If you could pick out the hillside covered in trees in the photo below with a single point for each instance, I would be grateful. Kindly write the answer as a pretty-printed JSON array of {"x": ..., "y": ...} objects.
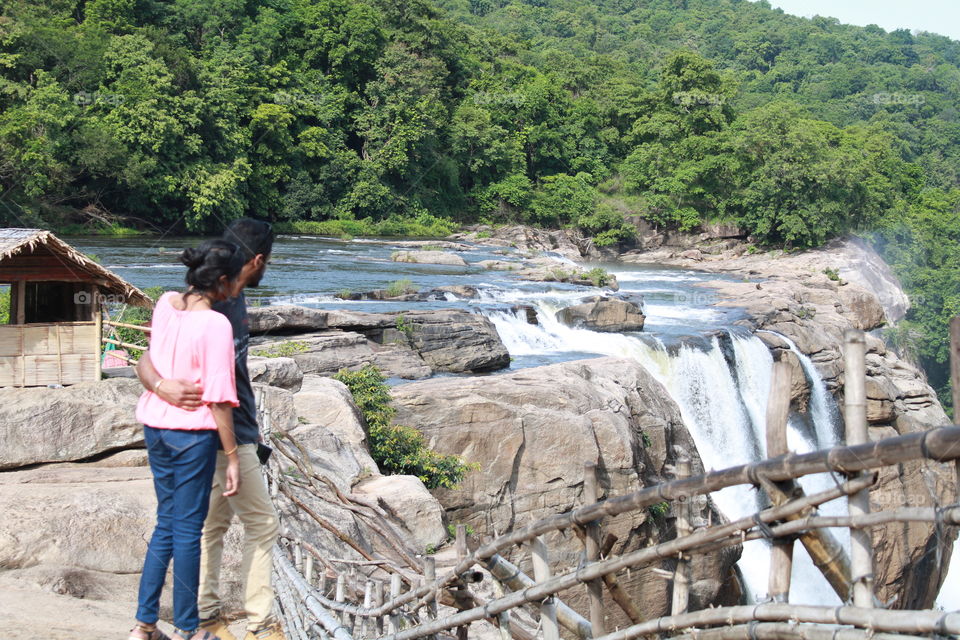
[{"x": 417, "y": 115}]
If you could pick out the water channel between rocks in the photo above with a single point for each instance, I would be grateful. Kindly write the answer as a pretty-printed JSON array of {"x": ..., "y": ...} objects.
[{"x": 716, "y": 371}]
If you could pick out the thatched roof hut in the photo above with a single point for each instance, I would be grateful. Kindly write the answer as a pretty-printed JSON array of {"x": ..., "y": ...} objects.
[{"x": 56, "y": 296}]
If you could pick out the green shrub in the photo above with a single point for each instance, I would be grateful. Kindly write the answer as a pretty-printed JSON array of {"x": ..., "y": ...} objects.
[
  {"x": 832, "y": 274},
  {"x": 4, "y": 305},
  {"x": 659, "y": 510},
  {"x": 398, "y": 449},
  {"x": 135, "y": 315},
  {"x": 283, "y": 350},
  {"x": 400, "y": 288},
  {"x": 598, "y": 276},
  {"x": 423, "y": 224}
]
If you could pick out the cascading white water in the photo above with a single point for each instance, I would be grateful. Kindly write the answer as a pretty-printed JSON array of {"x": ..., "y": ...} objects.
[{"x": 722, "y": 399}]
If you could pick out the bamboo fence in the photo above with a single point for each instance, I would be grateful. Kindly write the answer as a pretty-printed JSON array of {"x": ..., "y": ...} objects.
[{"x": 351, "y": 600}]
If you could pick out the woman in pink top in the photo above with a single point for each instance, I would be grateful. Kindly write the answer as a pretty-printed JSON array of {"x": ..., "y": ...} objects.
[{"x": 188, "y": 341}]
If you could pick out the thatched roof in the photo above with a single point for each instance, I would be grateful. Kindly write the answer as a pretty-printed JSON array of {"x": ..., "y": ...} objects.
[{"x": 20, "y": 242}]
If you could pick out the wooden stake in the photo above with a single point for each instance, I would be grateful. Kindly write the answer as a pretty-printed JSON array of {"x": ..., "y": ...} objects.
[
  {"x": 855, "y": 418},
  {"x": 430, "y": 576},
  {"x": 681, "y": 574},
  {"x": 377, "y": 601},
  {"x": 394, "y": 621},
  {"x": 367, "y": 603},
  {"x": 778, "y": 409},
  {"x": 592, "y": 546},
  {"x": 541, "y": 573}
]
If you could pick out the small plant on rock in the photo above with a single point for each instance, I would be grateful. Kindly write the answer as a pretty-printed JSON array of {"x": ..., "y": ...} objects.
[
  {"x": 398, "y": 449},
  {"x": 598, "y": 276},
  {"x": 399, "y": 288}
]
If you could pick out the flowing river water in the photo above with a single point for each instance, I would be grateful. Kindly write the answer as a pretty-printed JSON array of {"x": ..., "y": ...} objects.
[{"x": 717, "y": 372}]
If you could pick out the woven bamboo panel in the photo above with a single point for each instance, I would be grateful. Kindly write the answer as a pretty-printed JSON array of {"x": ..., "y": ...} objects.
[{"x": 42, "y": 354}]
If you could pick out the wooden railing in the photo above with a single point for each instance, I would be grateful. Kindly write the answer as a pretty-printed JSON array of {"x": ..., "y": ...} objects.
[
  {"x": 124, "y": 345},
  {"x": 345, "y": 604}
]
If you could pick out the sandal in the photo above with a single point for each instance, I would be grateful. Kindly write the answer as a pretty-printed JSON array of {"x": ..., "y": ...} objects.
[
  {"x": 199, "y": 634},
  {"x": 150, "y": 632}
]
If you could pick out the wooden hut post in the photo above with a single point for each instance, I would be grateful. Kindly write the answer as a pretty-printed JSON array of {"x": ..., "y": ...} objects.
[
  {"x": 778, "y": 408},
  {"x": 541, "y": 573},
  {"x": 855, "y": 419},
  {"x": 19, "y": 295},
  {"x": 592, "y": 545},
  {"x": 681, "y": 574},
  {"x": 340, "y": 595}
]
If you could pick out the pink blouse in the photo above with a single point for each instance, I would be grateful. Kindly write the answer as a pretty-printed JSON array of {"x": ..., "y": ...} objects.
[{"x": 189, "y": 345}]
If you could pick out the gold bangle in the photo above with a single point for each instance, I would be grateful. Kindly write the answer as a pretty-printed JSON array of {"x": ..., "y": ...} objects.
[
  {"x": 231, "y": 452},
  {"x": 156, "y": 385}
]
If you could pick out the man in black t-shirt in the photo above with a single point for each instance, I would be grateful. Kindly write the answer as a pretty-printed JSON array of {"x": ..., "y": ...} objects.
[{"x": 252, "y": 504}]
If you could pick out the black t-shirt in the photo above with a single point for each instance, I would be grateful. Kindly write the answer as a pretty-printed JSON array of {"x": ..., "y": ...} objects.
[{"x": 245, "y": 416}]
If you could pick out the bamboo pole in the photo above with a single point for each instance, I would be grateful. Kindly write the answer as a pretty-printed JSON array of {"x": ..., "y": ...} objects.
[
  {"x": 504, "y": 617},
  {"x": 681, "y": 574},
  {"x": 125, "y": 345},
  {"x": 541, "y": 573},
  {"x": 306, "y": 595},
  {"x": 378, "y": 600},
  {"x": 340, "y": 596},
  {"x": 127, "y": 326},
  {"x": 788, "y": 631},
  {"x": 855, "y": 419},
  {"x": 394, "y": 620},
  {"x": 873, "y": 619},
  {"x": 621, "y": 597},
  {"x": 592, "y": 549},
  {"x": 462, "y": 552},
  {"x": 541, "y": 590},
  {"x": 515, "y": 580},
  {"x": 778, "y": 409},
  {"x": 367, "y": 601},
  {"x": 430, "y": 576},
  {"x": 939, "y": 444}
]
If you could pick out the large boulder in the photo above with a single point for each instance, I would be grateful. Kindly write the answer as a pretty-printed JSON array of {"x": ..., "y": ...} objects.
[
  {"x": 409, "y": 501},
  {"x": 604, "y": 314},
  {"x": 429, "y": 257},
  {"x": 72, "y": 423},
  {"x": 531, "y": 431},
  {"x": 275, "y": 371}
]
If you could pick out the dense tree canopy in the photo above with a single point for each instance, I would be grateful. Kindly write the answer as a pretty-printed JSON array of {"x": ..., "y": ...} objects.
[{"x": 186, "y": 113}]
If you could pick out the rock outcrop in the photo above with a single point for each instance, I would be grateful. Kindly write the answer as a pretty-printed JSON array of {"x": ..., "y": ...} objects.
[
  {"x": 429, "y": 257},
  {"x": 73, "y": 423},
  {"x": 412, "y": 344},
  {"x": 73, "y": 535},
  {"x": 604, "y": 314},
  {"x": 532, "y": 430}
]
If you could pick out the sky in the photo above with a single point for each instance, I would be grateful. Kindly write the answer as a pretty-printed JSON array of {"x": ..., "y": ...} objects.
[{"x": 937, "y": 16}]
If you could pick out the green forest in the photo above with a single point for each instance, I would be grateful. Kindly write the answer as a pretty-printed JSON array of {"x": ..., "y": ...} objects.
[{"x": 376, "y": 116}]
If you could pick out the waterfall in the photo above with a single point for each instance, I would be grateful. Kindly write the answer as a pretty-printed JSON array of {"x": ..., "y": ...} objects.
[{"x": 721, "y": 385}]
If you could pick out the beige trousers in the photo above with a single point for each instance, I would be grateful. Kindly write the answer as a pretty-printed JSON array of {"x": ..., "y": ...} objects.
[{"x": 255, "y": 510}]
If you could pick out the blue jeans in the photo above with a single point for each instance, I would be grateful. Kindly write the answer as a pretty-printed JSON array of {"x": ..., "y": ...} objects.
[{"x": 183, "y": 463}]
